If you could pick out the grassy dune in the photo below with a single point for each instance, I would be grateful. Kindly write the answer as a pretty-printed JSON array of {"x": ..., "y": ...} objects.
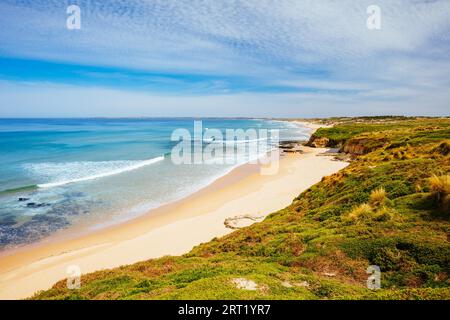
[{"x": 390, "y": 207}]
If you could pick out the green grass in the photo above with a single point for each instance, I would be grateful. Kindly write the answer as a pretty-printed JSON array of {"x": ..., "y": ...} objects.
[{"x": 312, "y": 249}]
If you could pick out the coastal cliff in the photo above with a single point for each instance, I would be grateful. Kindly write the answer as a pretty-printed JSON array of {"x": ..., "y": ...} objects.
[
  {"x": 353, "y": 146},
  {"x": 319, "y": 142}
]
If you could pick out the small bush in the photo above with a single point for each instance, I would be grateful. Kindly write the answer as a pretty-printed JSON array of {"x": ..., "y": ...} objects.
[
  {"x": 385, "y": 214},
  {"x": 440, "y": 190},
  {"x": 362, "y": 212},
  {"x": 443, "y": 149},
  {"x": 418, "y": 188},
  {"x": 378, "y": 198}
]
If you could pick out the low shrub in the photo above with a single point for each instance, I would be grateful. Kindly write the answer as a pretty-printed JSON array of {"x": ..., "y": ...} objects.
[
  {"x": 440, "y": 191},
  {"x": 377, "y": 198},
  {"x": 362, "y": 212}
]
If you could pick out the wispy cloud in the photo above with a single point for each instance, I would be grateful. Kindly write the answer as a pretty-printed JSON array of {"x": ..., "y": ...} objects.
[{"x": 310, "y": 52}]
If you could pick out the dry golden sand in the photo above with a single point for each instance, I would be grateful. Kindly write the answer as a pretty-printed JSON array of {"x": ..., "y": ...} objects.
[
  {"x": 311, "y": 125},
  {"x": 172, "y": 229}
]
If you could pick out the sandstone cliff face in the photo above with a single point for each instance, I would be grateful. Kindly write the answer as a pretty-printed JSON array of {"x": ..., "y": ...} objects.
[
  {"x": 317, "y": 142},
  {"x": 355, "y": 146},
  {"x": 362, "y": 146}
]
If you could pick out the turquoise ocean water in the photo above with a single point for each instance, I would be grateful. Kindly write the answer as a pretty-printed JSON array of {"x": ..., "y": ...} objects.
[{"x": 56, "y": 173}]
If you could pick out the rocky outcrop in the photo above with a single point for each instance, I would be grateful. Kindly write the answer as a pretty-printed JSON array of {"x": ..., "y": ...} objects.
[
  {"x": 245, "y": 284},
  {"x": 291, "y": 146},
  {"x": 318, "y": 142},
  {"x": 360, "y": 146},
  {"x": 34, "y": 205},
  {"x": 242, "y": 221},
  {"x": 355, "y": 148}
]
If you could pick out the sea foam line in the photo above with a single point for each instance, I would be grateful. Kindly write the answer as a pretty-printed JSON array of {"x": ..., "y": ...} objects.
[{"x": 103, "y": 175}]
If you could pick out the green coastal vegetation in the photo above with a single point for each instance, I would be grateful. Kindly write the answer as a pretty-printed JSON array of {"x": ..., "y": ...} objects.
[{"x": 390, "y": 208}]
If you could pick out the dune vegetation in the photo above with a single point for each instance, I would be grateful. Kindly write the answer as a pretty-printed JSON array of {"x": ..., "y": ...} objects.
[{"x": 390, "y": 208}]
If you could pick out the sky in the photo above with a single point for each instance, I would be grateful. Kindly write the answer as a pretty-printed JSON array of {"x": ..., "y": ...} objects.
[{"x": 252, "y": 58}]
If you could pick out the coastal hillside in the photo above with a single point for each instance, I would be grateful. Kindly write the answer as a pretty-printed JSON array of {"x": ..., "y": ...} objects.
[{"x": 390, "y": 208}]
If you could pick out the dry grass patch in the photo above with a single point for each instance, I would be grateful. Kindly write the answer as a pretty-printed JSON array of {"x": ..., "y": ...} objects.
[
  {"x": 440, "y": 190},
  {"x": 362, "y": 212},
  {"x": 378, "y": 198}
]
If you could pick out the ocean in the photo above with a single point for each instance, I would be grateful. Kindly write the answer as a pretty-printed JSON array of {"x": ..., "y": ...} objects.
[{"x": 58, "y": 173}]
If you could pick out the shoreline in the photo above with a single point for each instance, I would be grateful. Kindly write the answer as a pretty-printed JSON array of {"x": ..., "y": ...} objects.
[
  {"x": 81, "y": 230},
  {"x": 243, "y": 191},
  {"x": 241, "y": 197},
  {"x": 85, "y": 228}
]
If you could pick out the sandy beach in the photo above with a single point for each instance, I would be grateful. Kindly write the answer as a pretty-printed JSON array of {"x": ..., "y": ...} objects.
[
  {"x": 311, "y": 125},
  {"x": 242, "y": 197}
]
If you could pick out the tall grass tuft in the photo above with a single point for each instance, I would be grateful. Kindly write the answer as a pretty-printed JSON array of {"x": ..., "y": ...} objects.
[
  {"x": 378, "y": 198},
  {"x": 440, "y": 190},
  {"x": 362, "y": 212}
]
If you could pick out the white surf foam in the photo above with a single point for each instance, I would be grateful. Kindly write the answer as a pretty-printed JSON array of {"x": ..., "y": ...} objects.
[{"x": 59, "y": 174}]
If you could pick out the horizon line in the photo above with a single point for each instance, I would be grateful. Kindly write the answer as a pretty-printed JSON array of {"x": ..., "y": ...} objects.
[{"x": 219, "y": 117}]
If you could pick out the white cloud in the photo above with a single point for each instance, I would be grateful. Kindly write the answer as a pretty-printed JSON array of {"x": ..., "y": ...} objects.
[
  {"x": 321, "y": 44},
  {"x": 197, "y": 35}
]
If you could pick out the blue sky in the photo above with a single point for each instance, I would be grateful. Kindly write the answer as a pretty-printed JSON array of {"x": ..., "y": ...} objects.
[{"x": 224, "y": 58}]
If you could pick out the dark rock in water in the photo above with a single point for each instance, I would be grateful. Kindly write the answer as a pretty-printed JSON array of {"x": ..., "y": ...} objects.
[
  {"x": 8, "y": 220},
  {"x": 68, "y": 208},
  {"x": 23, "y": 199},
  {"x": 74, "y": 194},
  {"x": 38, "y": 227},
  {"x": 34, "y": 205},
  {"x": 56, "y": 217}
]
